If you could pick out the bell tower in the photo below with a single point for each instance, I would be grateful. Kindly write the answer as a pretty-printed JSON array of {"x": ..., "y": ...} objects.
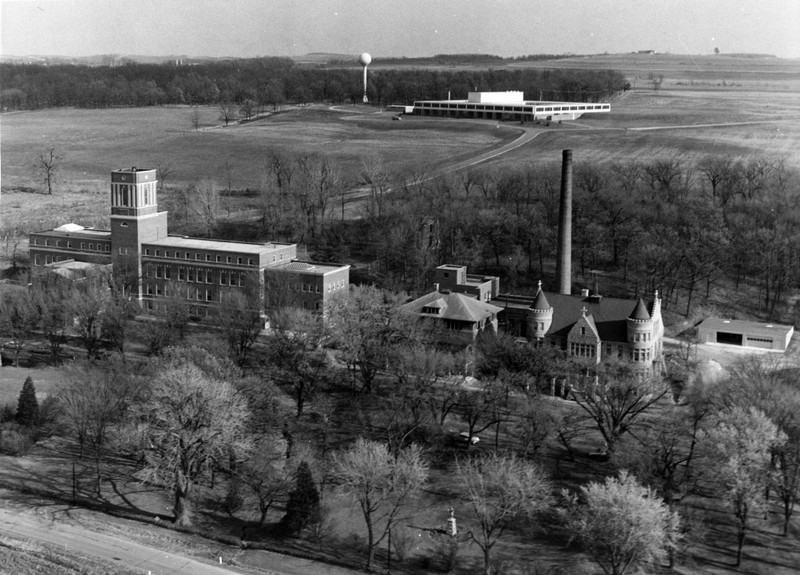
[{"x": 135, "y": 218}]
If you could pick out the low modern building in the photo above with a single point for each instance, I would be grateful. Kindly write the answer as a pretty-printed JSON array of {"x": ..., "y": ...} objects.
[
  {"x": 745, "y": 333},
  {"x": 507, "y": 106},
  {"x": 200, "y": 270}
]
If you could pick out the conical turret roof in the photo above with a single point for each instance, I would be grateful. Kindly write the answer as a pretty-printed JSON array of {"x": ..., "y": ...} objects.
[
  {"x": 640, "y": 311},
  {"x": 541, "y": 302}
]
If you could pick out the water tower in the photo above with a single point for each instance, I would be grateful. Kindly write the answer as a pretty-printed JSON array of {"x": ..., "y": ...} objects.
[{"x": 364, "y": 59}]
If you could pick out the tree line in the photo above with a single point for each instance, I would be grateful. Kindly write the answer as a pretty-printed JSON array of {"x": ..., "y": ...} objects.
[
  {"x": 685, "y": 227},
  {"x": 273, "y": 81}
]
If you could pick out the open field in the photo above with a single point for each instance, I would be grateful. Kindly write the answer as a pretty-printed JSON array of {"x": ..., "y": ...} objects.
[
  {"x": 689, "y": 72},
  {"x": 93, "y": 142}
]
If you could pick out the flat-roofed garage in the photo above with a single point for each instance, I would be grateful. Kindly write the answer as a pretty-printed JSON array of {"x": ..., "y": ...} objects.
[{"x": 745, "y": 333}]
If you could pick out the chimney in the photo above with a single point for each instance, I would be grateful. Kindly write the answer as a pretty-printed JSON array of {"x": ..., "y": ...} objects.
[{"x": 564, "y": 261}]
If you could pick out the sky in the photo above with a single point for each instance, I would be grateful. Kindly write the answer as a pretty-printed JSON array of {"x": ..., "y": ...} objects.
[{"x": 250, "y": 28}]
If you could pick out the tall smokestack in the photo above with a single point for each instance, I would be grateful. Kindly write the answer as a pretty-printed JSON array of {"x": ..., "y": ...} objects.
[{"x": 564, "y": 263}]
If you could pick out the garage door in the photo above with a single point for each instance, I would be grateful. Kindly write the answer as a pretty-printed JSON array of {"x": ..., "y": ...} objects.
[
  {"x": 759, "y": 342},
  {"x": 729, "y": 338}
]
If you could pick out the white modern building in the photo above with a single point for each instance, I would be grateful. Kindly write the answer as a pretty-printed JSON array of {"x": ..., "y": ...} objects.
[{"x": 507, "y": 106}]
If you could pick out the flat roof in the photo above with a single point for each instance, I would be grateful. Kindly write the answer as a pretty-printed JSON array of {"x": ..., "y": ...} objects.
[
  {"x": 215, "y": 245},
  {"x": 82, "y": 233},
  {"x": 312, "y": 268},
  {"x": 745, "y": 326}
]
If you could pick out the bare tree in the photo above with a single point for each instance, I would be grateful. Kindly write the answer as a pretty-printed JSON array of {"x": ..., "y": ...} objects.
[
  {"x": 88, "y": 303},
  {"x": 617, "y": 399},
  {"x": 501, "y": 491},
  {"x": 227, "y": 113},
  {"x": 93, "y": 399},
  {"x": 47, "y": 164},
  {"x": 163, "y": 173},
  {"x": 368, "y": 327},
  {"x": 622, "y": 524},
  {"x": 204, "y": 201},
  {"x": 296, "y": 353},
  {"x": 193, "y": 421},
  {"x": 241, "y": 321},
  {"x": 381, "y": 483},
  {"x": 194, "y": 119},
  {"x": 739, "y": 445},
  {"x": 19, "y": 317}
]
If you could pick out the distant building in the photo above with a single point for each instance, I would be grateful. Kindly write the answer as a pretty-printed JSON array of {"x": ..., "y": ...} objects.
[
  {"x": 741, "y": 333},
  {"x": 201, "y": 270},
  {"x": 507, "y": 106}
]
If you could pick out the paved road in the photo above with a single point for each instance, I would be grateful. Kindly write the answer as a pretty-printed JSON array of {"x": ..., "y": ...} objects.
[{"x": 109, "y": 548}]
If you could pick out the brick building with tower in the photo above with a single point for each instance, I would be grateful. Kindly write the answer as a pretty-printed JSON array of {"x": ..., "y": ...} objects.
[{"x": 200, "y": 270}]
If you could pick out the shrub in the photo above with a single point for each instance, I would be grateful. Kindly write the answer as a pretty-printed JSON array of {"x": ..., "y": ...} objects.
[
  {"x": 233, "y": 498},
  {"x": 8, "y": 413},
  {"x": 402, "y": 542},
  {"x": 445, "y": 553},
  {"x": 15, "y": 439}
]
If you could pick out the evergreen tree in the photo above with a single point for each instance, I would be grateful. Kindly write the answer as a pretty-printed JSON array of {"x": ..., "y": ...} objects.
[
  {"x": 27, "y": 406},
  {"x": 302, "y": 509}
]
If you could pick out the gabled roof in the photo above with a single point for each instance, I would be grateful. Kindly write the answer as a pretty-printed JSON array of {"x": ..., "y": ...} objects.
[
  {"x": 454, "y": 306},
  {"x": 610, "y": 314}
]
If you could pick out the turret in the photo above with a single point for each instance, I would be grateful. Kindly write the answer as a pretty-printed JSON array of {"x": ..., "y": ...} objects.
[
  {"x": 540, "y": 316},
  {"x": 640, "y": 334}
]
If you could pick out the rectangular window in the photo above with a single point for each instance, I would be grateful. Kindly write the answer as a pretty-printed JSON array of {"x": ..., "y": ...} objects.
[
  {"x": 158, "y": 253},
  {"x": 107, "y": 248},
  {"x": 222, "y": 278},
  {"x": 47, "y": 242},
  {"x": 181, "y": 274},
  {"x": 228, "y": 259},
  {"x": 208, "y": 277},
  {"x": 166, "y": 253},
  {"x": 191, "y": 274},
  {"x": 219, "y": 258},
  {"x": 208, "y": 257},
  {"x": 186, "y": 255},
  {"x": 197, "y": 256},
  {"x": 36, "y": 260},
  {"x": 249, "y": 261},
  {"x": 167, "y": 272},
  {"x": 83, "y": 246},
  {"x": 158, "y": 271},
  {"x": 239, "y": 261}
]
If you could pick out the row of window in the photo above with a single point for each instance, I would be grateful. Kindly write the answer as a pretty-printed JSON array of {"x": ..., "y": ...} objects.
[
  {"x": 199, "y": 257},
  {"x": 68, "y": 244},
  {"x": 582, "y": 349},
  {"x": 498, "y": 108},
  {"x": 641, "y": 336},
  {"x": 589, "y": 350},
  {"x": 194, "y": 275},
  {"x": 310, "y": 288},
  {"x": 190, "y": 294}
]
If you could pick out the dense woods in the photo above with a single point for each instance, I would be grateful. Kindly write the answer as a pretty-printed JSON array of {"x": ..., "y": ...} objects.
[{"x": 274, "y": 81}]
